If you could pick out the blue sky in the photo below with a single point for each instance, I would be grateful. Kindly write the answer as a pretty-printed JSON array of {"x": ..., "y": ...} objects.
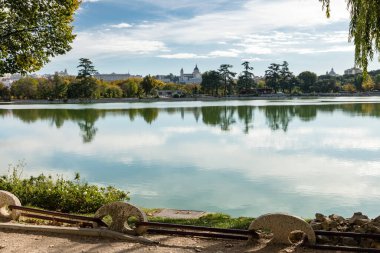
[{"x": 162, "y": 36}]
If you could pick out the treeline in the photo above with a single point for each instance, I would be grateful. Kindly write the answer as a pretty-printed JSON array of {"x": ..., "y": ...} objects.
[
  {"x": 85, "y": 86},
  {"x": 279, "y": 78}
]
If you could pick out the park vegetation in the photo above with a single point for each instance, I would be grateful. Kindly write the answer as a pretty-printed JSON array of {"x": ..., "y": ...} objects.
[
  {"x": 59, "y": 194},
  {"x": 278, "y": 78}
]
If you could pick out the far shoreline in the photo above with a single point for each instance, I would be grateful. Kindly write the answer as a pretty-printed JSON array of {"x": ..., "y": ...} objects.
[{"x": 202, "y": 98}]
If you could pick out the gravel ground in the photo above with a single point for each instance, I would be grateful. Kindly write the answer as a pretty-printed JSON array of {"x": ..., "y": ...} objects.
[{"x": 54, "y": 243}]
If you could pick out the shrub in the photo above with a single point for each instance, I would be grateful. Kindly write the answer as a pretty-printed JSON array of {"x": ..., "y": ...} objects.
[{"x": 59, "y": 194}]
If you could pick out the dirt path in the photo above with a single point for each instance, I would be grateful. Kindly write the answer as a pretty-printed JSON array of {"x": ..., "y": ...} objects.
[{"x": 41, "y": 243}]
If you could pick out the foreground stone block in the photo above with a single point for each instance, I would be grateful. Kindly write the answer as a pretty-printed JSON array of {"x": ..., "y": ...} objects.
[
  {"x": 7, "y": 199},
  {"x": 120, "y": 212},
  {"x": 281, "y": 225}
]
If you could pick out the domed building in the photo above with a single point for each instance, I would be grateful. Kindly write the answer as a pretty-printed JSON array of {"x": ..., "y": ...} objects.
[{"x": 195, "y": 77}]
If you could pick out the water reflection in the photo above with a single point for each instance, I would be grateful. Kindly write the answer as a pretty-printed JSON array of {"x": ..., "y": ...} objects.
[
  {"x": 243, "y": 160},
  {"x": 223, "y": 117}
]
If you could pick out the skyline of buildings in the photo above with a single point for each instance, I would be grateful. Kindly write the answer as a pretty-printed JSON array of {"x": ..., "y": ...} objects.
[{"x": 183, "y": 78}]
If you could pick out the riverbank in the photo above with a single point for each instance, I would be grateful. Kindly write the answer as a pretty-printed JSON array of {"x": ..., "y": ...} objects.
[{"x": 278, "y": 96}]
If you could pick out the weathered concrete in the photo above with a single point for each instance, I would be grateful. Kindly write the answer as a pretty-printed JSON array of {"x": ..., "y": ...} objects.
[
  {"x": 281, "y": 225},
  {"x": 6, "y": 199},
  {"x": 120, "y": 212},
  {"x": 76, "y": 231},
  {"x": 179, "y": 214}
]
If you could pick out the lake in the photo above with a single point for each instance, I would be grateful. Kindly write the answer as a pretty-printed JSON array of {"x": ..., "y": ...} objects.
[{"x": 244, "y": 158}]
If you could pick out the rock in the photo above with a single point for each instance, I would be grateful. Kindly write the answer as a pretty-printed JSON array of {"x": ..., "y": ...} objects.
[
  {"x": 229, "y": 245},
  {"x": 375, "y": 245},
  {"x": 319, "y": 217},
  {"x": 198, "y": 250},
  {"x": 359, "y": 229},
  {"x": 348, "y": 241},
  {"x": 316, "y": 225},
  {"x": 357, "y": 216},
  {"x": 323, "y": 239},
  {"x": 366, "y": 242},
  {"x": 377, "y": 219},
  {"x": 337, "y": 218}
]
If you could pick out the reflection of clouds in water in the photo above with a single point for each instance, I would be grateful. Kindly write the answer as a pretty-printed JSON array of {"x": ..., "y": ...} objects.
[{"x": 186, "y": 165}]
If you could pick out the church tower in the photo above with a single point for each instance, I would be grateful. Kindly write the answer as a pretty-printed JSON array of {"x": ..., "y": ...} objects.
[{"x": 196, "y": 72}]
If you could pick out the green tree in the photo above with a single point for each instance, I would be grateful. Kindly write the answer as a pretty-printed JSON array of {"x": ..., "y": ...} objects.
[
  {"x": 5, "y": 93},
  {"x": 287, "y": 80},
  {"x": 273, "y": 76},
  {"x": 32, "y": 31},
  {"x": 377, "y": 81},
  {"x": 25, "y": 88},
  {"x": 147, "y": 84},
  {"x": 130, "y": 87},
  {"x": 227, "y": 76},
  {"x": 59, "y": 87},
  {"x": 307, "y": 80},
  {"x": 246, "y": 82},
  {"x": 364, "y": 28},
  {"x": 211, "y": 82},
  {"x": 86, "y": 69}
]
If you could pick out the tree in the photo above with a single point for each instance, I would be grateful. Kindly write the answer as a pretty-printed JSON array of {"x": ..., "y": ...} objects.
[
  {"x": 25, "y": 88},
  {"x": 211, "y": 82},
  {"x": 287, "y": 80},
  {"x": 377, "y": 81},
  {"x": 86, "y": 69},
  {"x": 130, "y": 87},
  {"x": 364, "y": 29},
  {"x": 307, "y": 80},
  {"x": 59, "y": 87},
  {"x": 227, "y": 76},
  {"x": 246, "y": 82},
  {"x": 32, "y": 31},
  {"x": 272, "y": 76},
  {"x": 147, "y": 84},
  {"x": 5, "y": 93},
  {"x": 368, "y": 83}
]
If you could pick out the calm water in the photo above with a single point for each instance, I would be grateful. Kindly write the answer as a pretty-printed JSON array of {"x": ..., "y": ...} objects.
[{"x": 244, "y": 158}]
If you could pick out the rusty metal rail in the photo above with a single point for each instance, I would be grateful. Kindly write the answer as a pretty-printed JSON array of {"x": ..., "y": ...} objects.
[
  {"x": 343, "y": 248},
  {"x": 70, "y": 218},
  {"x": 189, "y": 230},
  {"x": 347, "y": 234}
]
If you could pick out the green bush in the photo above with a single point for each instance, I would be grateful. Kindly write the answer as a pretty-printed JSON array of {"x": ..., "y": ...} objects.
[{"x": 59, "y": 194}]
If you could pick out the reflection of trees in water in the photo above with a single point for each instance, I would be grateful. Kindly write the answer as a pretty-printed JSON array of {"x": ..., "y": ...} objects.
[
  {"x": 245, "y": 114},
  {"x": 277, "y": 117},
  {"x": 222, "y": 116},
  {"x": 88, "y": 130}
]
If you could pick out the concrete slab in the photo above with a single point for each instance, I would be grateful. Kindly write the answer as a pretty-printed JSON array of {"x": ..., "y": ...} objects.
[{"x": 179, "y": 214}]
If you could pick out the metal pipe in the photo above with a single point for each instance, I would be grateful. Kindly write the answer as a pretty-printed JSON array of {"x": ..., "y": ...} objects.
[
  {"x": 347, "y": 234},
  {"x": 52, "y": 213},
  {"x": 199, "y": 228},
  {"x": 201, "y": 234},
  {"x": 343, "y": 248},
  {"x": 35, "y": 216}
]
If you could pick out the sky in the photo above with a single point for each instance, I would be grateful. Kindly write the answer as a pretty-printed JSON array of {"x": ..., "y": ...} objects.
[{"x": 143, "y": 37}]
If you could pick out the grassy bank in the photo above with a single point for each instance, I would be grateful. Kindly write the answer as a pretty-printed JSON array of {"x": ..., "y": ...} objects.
[{"x": 59, "y": 194}]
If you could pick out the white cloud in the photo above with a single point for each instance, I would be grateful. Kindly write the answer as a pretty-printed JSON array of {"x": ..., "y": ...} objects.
[
  {"x": 181, "y": 56},
  {"x": 121, "y": 25}
]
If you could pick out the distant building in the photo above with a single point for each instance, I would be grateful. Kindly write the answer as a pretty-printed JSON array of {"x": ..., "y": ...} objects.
[
  {"x": 331, "y": 73},
  {"x": 167, "y": 78},
  {"x": 62, "y": 73},
  {"x": 195, "y": 77},
  {"x": 8, "y": 79},
  {"x": 353, "y": 71},
  {"x": 114, "y": 76}
]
